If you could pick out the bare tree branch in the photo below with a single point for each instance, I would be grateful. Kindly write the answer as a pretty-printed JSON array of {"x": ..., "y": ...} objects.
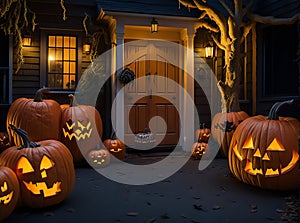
[
  {"x": 227, "y": 8},
  {"x": 272, "y": 20},
  {"x": 217, "y": 42},
  {"x": 207, "y": 26},
  {"x": 246, "y": 31},
  {"x": 247, "y": 8}
]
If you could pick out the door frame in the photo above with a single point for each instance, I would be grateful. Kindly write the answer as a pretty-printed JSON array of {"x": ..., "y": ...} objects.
[{"x": 180, "y": 29}]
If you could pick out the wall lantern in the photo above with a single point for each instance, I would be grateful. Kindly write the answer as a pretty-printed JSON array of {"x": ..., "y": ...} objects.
[
  {"x": 86, "y": 48},
  {"x": 154, "y": 26},
  {"x": 209, "y": 51},
  {"x": 27, "y": 40}
]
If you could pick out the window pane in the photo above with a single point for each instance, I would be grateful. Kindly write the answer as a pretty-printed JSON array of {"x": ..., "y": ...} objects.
[
  {"x": 66, "y": 67},
  {"x": 73, "y": 42},
  {"x": 72, "y": 54},
  {"x": 66, "y": 54},
  {"x": 66, "y": 41},
  {"x": 58, "y": 54},
  {"x": 51, "y": 41},
  {"x": 59, "y": 40},
  {"x": 72, "y": 67}
]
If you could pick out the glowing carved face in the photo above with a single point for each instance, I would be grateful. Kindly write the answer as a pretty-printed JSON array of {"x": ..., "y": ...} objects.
[
  {"x": 275, "y": 146},
  {"x": 114, "y": 146},
  {"x": 77, "y": 130},
  {"x": 99, "y": 158},
  {"x": 6, "y": 198},
  {"x": 38, "y": 188}
]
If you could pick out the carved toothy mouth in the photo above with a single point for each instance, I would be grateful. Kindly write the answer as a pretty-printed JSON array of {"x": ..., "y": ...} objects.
[
  {"x": 268, "y": 172},
  {"x": 7, "y": 198},
  {"x": 116, "y": 150},
  {"x": 41, "y": 187}
]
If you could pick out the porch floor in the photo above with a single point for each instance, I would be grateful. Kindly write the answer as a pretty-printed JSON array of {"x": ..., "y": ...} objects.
[{"x": 190, "y": 195}]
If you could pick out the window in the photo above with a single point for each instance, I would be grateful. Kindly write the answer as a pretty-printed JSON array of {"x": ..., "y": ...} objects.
[
  {"x": 62, "y": 62},
  {"x": 281, "y": 74}
]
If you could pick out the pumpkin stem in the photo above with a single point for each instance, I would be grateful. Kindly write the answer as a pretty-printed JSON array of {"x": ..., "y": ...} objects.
[
  {"x": 24, "y": 136},
  {"x": 39, "y": 94},
  {"x": 273, "y": 113},
  {"x": 73, "y": 101},
  {"x": 113, "y": 135}
]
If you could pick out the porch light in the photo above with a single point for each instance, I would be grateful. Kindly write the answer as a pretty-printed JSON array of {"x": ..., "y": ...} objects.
[
  {"x": 209, "y": 51},
  {"x": 154, "y": 26},
  {"x": 27, "y": 40},
  {"x": 86, "y": 48}
]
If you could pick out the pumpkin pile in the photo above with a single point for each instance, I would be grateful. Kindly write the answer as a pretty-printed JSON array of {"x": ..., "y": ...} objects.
[{"x": 40, "y": 148}]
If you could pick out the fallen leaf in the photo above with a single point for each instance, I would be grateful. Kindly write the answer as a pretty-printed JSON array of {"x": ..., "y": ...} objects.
[
  {"x": 198, "y": 207},
  {"x": 216, "y": 207},
  {"x": 152, "y": 220},
  {"x": 165, "y": 216},
  {"x": 133, "y": 214}
]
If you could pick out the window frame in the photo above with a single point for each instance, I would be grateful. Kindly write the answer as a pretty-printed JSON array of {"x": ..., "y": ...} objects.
[{"x": 44, "y": 54}]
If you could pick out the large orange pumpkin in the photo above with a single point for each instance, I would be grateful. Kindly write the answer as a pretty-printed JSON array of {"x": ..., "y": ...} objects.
[
  {"x": 81, "y": 128},
  {"x": 39, "y": 118},
  {"x": 264, "y": 151},
  {"x": 9, "y": 192},
  {"x": 45, "y": 170},
  {"x": 223, "y": 127}
]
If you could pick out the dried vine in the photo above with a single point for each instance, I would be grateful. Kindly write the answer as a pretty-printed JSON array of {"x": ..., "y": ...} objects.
[{"x": 15, "y": 16}]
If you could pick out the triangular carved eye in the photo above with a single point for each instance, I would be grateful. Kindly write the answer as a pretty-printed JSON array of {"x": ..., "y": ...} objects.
[
  {"x": 257, "y": 153},
  {"x": 4, "y": 187},
  {"x": 248, "y": 143},
  {"x": 24, "y": 165},
  {"x": 275, "y": 146},
  {"x": 46, "y": 163}
]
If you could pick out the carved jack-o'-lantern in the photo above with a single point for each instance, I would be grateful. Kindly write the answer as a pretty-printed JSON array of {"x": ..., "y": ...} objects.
[
  {"x": 45, "y": 170},
  {"x": 264, "y": 151},
  {"x": 116, "y": 147},
  {"x": 98, "y": 158},
  {"x": 199, "y": 149},
  {"x": 81, "y": 128},
  {"x": 203, "y": 134},
  {"x": 4, "y": 141},
  {"x": 9, "y": 192}
]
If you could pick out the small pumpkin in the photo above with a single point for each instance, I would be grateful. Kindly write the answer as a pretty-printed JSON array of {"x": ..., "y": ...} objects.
[
  {"x": 4, "y": 141},
  {"x": 199, "y": 148},
  {"x": 81, "y": 128},
  {"x": 98, "y": 158},
  {"x": 115, "y": 146},
  {"x": 40, "y": 118},
  {"x": 45, "y": 170},
  {"x": 9, "y": 192},
  {"x": 264, "y": 151},
  {"x": 223, "y": 127},
  {"x": 203, "y": 133}
]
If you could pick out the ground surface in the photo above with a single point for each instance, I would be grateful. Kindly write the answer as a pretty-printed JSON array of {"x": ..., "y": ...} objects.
[{"x": 190, "y": 195}]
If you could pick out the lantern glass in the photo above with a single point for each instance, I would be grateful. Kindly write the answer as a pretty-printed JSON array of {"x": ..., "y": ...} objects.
[
  {"x": 209, "y": 51},
  {"x": 154, "y": 26},
  {"x": 86, "y": 48},
  {"x": 27, "y": 40}
]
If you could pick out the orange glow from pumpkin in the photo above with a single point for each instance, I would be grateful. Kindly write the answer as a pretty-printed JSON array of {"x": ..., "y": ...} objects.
[
  {"x": 38, "y": 187},
  {"x": 275, "y": 146},
  {"x": 7, "y": 198},
  {"x": 81, "y": 132}
]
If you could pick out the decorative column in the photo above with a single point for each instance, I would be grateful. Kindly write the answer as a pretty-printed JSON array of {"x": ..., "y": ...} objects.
[
  {"x": 188, "y": 84},
  {"x": 118, "y": 110}
]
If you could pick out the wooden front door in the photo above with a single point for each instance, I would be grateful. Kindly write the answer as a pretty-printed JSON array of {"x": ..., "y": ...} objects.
[{"x": 153, "y": 93}]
